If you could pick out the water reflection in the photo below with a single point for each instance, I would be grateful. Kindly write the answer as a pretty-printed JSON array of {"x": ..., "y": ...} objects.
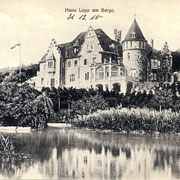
[{"x": 78, "y": 154}]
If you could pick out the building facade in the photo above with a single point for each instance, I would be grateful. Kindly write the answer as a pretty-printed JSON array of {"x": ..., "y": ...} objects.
[{"x": 93, "y": 60}]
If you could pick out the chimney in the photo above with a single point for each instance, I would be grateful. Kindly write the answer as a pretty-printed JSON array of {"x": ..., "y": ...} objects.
[
  {"x": 152, "y": 43},
  {"x": 115, "y": 34},
  {"x": 119, "y": 36}
]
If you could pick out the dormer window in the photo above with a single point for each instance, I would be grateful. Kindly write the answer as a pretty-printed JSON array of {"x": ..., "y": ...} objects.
[{"x": 133, "y": 35}]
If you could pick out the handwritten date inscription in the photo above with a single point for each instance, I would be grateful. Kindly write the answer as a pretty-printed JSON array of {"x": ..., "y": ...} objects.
[{"x": 84, "y": 17}]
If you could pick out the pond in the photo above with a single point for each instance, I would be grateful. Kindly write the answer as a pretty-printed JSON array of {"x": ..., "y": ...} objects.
[{"x": 82, "y": 154}]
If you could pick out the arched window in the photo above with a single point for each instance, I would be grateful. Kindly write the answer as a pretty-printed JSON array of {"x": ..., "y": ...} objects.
[
  {"x": 116, "y": 87},
  {"x": 99, "y": 87},
  {"x": 100, "y": 73},
  {"x": 114, "y": 71},
  {"x": 128, "y": 55}
]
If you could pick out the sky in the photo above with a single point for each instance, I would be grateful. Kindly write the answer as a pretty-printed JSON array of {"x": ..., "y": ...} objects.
[{"x": 34, "y": 23}]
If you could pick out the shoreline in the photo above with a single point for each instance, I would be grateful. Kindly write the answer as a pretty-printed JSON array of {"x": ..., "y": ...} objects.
[{"x": 51, "y": 126}]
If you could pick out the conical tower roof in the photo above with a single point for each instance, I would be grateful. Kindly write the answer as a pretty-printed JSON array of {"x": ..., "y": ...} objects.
[{"x": 134, "y": 33}]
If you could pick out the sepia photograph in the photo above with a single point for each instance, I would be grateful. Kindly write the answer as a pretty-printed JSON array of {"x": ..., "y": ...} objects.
[{"x": 89, "y": 90}]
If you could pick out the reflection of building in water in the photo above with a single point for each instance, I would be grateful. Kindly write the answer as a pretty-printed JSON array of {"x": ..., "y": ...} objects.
[
  {"x": 101, "y": 163},
  {"x": 72, "y": 154}
]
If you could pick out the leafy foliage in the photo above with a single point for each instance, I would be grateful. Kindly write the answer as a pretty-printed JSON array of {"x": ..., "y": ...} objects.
[
  {"x": 27, "y": 72},
  {"x": 23, "y": 105},
  {"x": 166, "y": 57},
  {"x": 131, "y": 120},
  {"x": 89, "y": 105}
]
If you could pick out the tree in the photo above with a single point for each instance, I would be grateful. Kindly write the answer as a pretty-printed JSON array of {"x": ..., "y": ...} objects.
[
  {"x": 90, "y": 104},
  {"x": 166, "y": 63},
  {"x": 163, "y": 98},
  {"x": 166, "y": 57},
  {"x": 21, "y": 105}
]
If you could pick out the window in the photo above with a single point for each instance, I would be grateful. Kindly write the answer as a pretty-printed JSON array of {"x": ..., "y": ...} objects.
[
  {"x": 42, "y": 80},
  {"x": 52, "y": 82},
  {"x": 92, "y": 73},
  {"x": 107, "y": 71},
  {"x": 141, "y": 44},
  {"x": 87, "y": 76},
  {"x": 91, "y": 46},
  {"x": 133, "y": 35},
  {"x": 144, "y": 45},
  {"x": 138, "y": 56},
  {"x": 50, "y": 64},
  {"x": 126, "y": 45},
  {"x": 69, "y": 63},
  {"x": 75, "y": 50},
  {"x": 75, "y": 63},
  {"x": 114, "y": 71},
  {"x": 128, "y": 56},
  {"x": 100, "y": 73},
  {"x": 131, "y": 44},
  {"x": 72, "y": 77},
  {"x": 85, "y": 61}
]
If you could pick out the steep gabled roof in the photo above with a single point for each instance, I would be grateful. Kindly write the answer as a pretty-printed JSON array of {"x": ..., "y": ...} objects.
[
  {"x": 43, "y": 58},
  {"x": 50, "y": 56},
  {"x": 105, "y": 41},
  {"x": 67, "y": 49},
  {"x": 134, "y": 29}
]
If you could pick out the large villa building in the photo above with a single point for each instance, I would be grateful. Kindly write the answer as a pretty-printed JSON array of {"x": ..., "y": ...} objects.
[{"x": 93, "y": 60}]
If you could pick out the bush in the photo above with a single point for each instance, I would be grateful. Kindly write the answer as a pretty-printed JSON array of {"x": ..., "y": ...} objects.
[{"x": 131, "y": 120}]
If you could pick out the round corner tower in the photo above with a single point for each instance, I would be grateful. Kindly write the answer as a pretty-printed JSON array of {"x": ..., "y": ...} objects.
[{"x": 135, "y": 53}]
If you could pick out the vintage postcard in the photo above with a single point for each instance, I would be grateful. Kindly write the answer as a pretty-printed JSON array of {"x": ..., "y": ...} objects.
[{"x": 90, "y": 89}]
